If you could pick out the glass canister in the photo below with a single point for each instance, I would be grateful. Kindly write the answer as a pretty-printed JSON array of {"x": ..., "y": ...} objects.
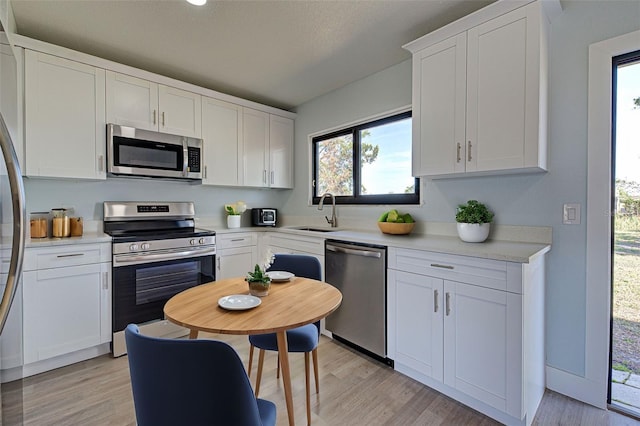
[
  {"x": 60, "y": 225},
  {"x": 76, "y": 226},
  {"x": 39, "y": 224}
]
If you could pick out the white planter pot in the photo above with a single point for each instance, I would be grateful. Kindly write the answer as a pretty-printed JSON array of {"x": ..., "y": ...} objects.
[
  {"x": 233, "y": 221},
  {"x": 473, "y": 232}
]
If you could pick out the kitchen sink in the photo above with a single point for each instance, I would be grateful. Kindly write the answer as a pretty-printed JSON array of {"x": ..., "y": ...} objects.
[{"x": 313, "y": 229}]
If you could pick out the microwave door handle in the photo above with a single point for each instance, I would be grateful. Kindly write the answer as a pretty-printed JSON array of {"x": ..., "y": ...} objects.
[{"x": 185, "y": 157}]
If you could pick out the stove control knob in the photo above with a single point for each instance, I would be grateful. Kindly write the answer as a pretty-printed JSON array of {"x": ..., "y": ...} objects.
[
  {"x": 146, "y": 246},
  {"x": 192, "y": 242},
  {"x": 133, "y": 247},
  {"x": 201, "y": 241}
]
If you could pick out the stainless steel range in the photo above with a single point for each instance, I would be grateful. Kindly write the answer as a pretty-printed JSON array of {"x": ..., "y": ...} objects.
[{"x": 157, "y": 253}]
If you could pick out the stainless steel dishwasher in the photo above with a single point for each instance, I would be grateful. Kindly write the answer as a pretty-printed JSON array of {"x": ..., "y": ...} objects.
[{"x": 359, "y": 271}]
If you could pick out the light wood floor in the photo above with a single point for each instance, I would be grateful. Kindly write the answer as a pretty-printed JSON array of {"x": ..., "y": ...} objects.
[{"x": 354, "y": 390}]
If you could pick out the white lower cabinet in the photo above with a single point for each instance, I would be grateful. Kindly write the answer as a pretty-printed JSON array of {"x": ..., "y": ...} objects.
[
  {"x": 237, "y": 254},
  {"x": 295, "y": 244},
  {"x": 66, "y": 300},
  {"x": 470, "y": 328}
]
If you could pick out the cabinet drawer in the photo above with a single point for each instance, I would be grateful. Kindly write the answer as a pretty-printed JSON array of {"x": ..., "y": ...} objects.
[
  {"x": 483, "y": 272},
  {"x": 311, "y": 245},
  {"x": 239, "y": 239},
  {"x": 65, "y": 256}
]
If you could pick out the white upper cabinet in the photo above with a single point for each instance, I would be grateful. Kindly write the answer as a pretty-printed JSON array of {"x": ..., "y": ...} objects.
[
  {"x": 64, "y": 118},
  {"x": 11, "y": 85},
  {"x": 479, "y": 96},
  {"x": 256, "y": 147},
  {"x": 222, "y": 136},
  {"x": 280, "y": 152},
  {"x": 268, "y": 149},
  {"x": 143, "y": 104}
]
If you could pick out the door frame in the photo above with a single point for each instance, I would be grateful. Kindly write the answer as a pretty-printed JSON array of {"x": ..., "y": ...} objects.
[{"x": 594, "y": 386}]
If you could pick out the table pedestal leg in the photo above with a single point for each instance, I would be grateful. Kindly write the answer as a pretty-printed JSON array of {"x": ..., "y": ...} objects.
[
  {"x": 283, "y": 351},
  {"x": 193, "y": 334}
]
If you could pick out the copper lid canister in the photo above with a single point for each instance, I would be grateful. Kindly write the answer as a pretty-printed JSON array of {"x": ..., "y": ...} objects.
[{"x": 76, "y": 226}]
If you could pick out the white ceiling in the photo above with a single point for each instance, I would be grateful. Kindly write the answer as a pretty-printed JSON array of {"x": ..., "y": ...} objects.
[{"x": 277, "y": 52}]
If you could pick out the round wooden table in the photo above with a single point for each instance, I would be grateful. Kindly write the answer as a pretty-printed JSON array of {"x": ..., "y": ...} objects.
[{"x": 291, "y": 304}]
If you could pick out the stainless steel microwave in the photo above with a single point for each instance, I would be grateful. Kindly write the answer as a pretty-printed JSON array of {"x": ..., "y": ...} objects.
[{"x": 144, "y": 153}]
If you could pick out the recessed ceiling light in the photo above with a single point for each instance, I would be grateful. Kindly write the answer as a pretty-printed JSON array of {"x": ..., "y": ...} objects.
[{"x": 198, "y": 2}]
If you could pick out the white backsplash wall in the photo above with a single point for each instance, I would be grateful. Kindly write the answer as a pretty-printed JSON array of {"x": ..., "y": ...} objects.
[{"x": 86, "y": 197}]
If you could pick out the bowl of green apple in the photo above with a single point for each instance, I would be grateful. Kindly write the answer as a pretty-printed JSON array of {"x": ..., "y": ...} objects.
[{"x": 396, "y": 223}]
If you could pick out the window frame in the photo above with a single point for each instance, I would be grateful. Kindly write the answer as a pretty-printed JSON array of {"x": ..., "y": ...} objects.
[{"x": 358, "y": 198}]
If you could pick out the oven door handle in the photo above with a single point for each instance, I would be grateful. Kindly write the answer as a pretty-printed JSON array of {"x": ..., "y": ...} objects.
[{"x": 128, "y": 259}]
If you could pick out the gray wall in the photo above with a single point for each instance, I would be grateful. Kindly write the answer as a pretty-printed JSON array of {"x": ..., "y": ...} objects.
[{"x": 534, "y": 200}]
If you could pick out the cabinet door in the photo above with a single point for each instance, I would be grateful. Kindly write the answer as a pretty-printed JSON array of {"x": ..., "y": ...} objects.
[
  {"x": 62, "y": 310},
  {"x": 11, "y": 337},
  {"x": 222, "y": 135},
  {"x": 482, "y": 344},
  {"x": 64, "y": 118},
  {"x": 503, "y": 86},
  {"x": 255, "y": 136},
  {"x": 106, "y": 333},
  {"x": 236, "y": 262},
  {"x": 131, "y": 101},
  {"x": 439, "y": 91},
  {"x": 280, "y": 152},
  {"x": 11, "y": 99},
  {"x": 415, "y": 322},
  {"x": 180, "y": 112}
]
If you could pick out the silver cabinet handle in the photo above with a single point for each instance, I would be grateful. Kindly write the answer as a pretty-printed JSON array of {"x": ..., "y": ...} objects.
[
  {"x": 447, "y": 303},
  {"x": 205, "y": 172},
  {"x": 272, "y": 177},
  {"x": 105, "y": 281},
  {"x": 219, "y": 260},
  {"x": 264, "y": 176},
  {"x": 435, "y": 300},
  {"x": 459, "y": 147},
  {"x": 70, "y": 255},
  {"x": 468, "y": 150},
  {"x": 101, "y": 163},
  {"x": 438, "y": 265},
  {"x": 237, "y": 239},
  {"x": 162, "y": 118},
  {"x": 154, "y": 117}
]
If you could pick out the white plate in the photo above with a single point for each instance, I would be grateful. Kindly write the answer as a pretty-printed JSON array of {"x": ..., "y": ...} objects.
[
  {"x": 239, "y": 302},
  {"x": 280, "y": 275}
]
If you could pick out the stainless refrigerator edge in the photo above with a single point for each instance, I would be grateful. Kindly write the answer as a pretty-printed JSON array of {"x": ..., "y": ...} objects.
[{"x": 12, "y": 224}]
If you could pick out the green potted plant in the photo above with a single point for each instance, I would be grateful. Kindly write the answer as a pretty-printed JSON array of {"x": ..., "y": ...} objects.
[
  {"x": 234, "y": 212},
  {"x": 473, "y": 221},
  {"x": 259, "y": 281}
]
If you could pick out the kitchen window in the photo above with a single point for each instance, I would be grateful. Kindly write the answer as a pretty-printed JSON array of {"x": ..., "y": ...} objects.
[{"x": 366, "y": 164}]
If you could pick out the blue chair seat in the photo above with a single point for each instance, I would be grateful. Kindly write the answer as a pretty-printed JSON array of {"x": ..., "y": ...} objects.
[{"x": 300, "y": 339}]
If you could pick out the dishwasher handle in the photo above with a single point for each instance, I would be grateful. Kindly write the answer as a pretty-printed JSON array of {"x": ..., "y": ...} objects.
[{"x": 354, "y": 251}]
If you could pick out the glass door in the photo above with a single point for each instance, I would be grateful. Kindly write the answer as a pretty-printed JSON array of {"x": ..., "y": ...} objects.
[{"x": 625, "y": 310}]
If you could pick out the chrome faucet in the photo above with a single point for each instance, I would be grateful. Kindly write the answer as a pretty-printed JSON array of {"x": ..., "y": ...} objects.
[{"x": 334, "y": 220}]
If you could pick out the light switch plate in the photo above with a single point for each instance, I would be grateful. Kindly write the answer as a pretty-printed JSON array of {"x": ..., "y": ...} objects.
[{"x": 571, "y": 214}]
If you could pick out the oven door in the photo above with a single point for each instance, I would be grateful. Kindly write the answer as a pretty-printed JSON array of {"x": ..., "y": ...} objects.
[{"x": 141, "y": 290}]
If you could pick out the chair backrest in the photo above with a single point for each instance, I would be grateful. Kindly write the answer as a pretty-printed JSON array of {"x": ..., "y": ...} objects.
[
  {"x": 301, "y": 265},
  {"x": 188, "y": 382}
]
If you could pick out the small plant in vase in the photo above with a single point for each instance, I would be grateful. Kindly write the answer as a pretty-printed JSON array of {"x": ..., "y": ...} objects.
[
  {"x": 259, "y": 281},
  {"x": 474, "y": 221},
  {"x": 234, "y": 212}
]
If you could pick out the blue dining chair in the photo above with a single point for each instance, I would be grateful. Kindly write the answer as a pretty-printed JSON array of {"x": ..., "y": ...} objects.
[
  {"x": 301, "y": 339},
  {"x": 191, "y": 382}
]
